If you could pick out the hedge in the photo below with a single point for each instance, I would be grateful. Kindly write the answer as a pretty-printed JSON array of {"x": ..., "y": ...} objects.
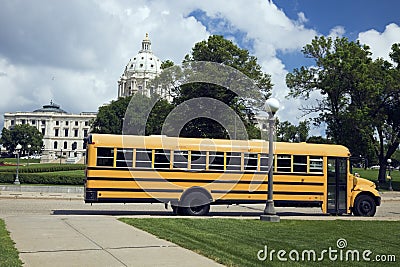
[
  {"x": 43, "y": 178},
  {"x": 40, "y": 168}
]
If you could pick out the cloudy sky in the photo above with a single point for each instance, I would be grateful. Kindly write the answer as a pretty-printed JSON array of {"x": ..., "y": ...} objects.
[{"x": 73, "y": 52}]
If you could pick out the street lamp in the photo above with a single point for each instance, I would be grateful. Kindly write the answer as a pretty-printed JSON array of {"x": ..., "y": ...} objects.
[
  {"x": 18, "y": 149},
  {"x": 272, "y": 106},
  {"x": 389, "y": 161}
]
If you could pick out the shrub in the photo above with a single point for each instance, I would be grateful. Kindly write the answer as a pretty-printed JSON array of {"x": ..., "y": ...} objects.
[
  {"x": 43, "y": 168},
  {"x": 44, "y": 178}
]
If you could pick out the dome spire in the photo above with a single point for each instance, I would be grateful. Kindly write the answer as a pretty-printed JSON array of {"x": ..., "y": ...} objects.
[{"x": 146, "y": 44}]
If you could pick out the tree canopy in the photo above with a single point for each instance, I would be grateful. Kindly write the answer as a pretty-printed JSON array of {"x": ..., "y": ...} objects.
[
  {"x": 219, "y": 50},
  {"x": 24, "y": 135},
  {"x": 143, "y": 115},
  {"x": 359, "y": 96}
]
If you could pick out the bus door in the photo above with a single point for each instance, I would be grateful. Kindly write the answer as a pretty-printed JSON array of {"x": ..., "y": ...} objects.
[{"x": 337, "y": 185}]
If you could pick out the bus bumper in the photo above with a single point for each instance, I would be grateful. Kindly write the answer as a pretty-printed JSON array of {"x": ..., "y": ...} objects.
[{"x": 90, "y": 196}]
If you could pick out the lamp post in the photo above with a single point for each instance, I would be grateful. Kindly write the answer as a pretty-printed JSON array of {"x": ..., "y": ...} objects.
[
  {"x": 18, "y": 149},
  {"x": 29, "y": 148},
  {"x": 389, "y": 161},
  {"x": 272, "y": 106}
]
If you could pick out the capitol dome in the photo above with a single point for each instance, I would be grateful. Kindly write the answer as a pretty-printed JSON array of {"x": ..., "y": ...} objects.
[
  {"x": 145, "y": 61},
  {"x": 140, "y": 69}
]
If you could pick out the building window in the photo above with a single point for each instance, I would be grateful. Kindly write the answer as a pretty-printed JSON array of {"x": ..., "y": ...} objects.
[
  {"x": 74, "y": 145},
  {"x": 85, "y": 133},
  {"x": 76, "y": 123},
  {"x": 55, "y": 144},
  {"x": 23, "y": 121},
  {"x": 33, "y": 122},
  {"x": 76, "y": 133},
  {"x": 43, "y": 122},
  {"x": 43, "y": 131},
  {"x": 66, "y": 132},
  {"x": 57, "y": 123},
  {"x": 12, "y": 122},
  {"x": 86, "y": 123},
  {"x": 65, "y": 145},
  {"x": 66, "y": 123},
  {"x": 56, "y": 132}
]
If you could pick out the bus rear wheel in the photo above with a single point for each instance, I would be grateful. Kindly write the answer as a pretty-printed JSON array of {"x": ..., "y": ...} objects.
[
  {"x": 364, "y": 206},
  {"x": 195, "y": 204}
]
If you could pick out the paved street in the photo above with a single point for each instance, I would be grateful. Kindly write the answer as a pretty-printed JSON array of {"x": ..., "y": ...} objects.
[{"x": 16, "y": 203}]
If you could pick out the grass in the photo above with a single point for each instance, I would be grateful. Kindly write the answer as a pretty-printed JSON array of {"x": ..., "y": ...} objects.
[
  {"x": 8, "y": 254},
  {"x": 373, "y": 176},
  {"x": 21, "y": 161},
  {"x": 235, "y": 242}
]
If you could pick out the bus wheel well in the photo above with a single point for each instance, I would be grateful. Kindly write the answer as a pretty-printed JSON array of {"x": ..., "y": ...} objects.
[
  {"x": 198, "y": 191},
  {"x": 376, "y": 199}
]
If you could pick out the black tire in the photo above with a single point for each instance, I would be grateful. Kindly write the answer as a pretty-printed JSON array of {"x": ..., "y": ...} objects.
[
  {"x": 195, "y": 204},
  {"x": 364, "y": 206},
  {"x": 177, "y": 210}
]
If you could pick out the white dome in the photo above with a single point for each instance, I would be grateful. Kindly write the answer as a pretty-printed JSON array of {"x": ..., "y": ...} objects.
[{"x": 145, "y": 61}]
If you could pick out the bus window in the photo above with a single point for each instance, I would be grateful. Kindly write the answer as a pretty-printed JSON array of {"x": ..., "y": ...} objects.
[
  {"x": 198, "y": 160},
  {"x": 162, "y": 159},
  {"x": 216, "y": 161},
  {"x": 299, "y": 163},
  {"x": 264, "y": 162},
  {"x": 250, "y": 161},
  {"x": 233, "y": 161},
  {"x": 316, "y": 164},
  {"x": 105, "y": 156},
  {"x": 181, "y": 159},
  {"x": 143, "y": 158},
  {"x": 124, "y": 157},
  {"x": 284, "y": 163}
]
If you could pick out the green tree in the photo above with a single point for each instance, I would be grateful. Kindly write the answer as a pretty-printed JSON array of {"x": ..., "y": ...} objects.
[
  {"x": 110, "y": 117},
  {"x": 144, "y": 116},
  {"x": 287, "y": 132},
  {"x": 219, "y": 50},
  {"x": 24, "y": 135},
  {"x": 360, "y": 97}
]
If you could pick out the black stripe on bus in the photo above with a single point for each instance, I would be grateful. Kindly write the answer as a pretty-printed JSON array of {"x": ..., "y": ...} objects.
[
  {"x": 265, "y": 192},
  {"x": 202, "y": 171},
  {"x": 172, "y": 180},
  {"x": 138, "y": 190}
]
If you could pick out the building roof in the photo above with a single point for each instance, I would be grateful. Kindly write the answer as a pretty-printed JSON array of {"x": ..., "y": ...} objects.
[{"x": 52, "y": 107}]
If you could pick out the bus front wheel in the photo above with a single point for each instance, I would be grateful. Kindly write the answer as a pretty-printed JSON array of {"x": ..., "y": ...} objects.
[{"x": 364, "y": 206}]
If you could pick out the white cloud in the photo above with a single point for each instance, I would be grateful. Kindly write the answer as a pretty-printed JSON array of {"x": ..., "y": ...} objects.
[
  {"x": 381, "y": 43},
  {"x": 337, "y": 31},
  {"x": 85, "y": 45}
]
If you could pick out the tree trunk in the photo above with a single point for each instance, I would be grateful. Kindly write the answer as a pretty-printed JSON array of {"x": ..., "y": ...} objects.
[{"x": 382, "y": 172}]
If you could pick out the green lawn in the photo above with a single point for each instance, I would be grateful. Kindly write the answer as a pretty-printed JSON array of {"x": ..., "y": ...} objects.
[
  {"x": 236, "y": 242},
  {"x": 8, "y": 253},
  {"x": 21, "y": 161}
]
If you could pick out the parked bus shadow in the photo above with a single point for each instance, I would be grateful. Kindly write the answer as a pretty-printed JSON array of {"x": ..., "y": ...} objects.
[{"x": 168, "y": 213}]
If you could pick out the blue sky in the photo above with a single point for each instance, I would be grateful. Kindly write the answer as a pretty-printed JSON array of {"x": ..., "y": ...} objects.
[{"x": 73, "y": 52}]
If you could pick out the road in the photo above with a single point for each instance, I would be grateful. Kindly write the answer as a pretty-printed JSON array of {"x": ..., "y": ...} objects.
[{"x": 389, "y": 210}]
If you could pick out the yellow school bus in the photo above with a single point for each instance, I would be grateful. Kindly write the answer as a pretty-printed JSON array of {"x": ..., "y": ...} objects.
[{"x": 193, "y": 173}]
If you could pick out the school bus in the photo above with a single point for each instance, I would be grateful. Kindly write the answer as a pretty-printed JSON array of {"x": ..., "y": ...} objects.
[{"x": 191, "y": 174}]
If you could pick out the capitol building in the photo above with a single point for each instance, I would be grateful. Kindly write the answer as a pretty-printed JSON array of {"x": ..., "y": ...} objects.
[{"x": 63, "y": 132}]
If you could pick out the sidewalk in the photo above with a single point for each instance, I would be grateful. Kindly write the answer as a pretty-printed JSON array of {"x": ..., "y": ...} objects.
[{"x": 48, "y": 240}]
